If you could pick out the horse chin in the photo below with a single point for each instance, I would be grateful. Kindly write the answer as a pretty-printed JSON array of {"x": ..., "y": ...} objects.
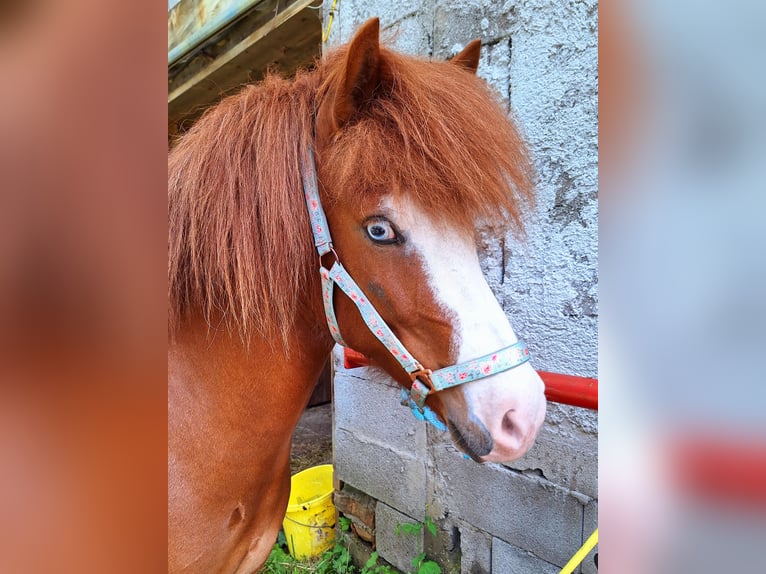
[{"x": 472, "y": 438}]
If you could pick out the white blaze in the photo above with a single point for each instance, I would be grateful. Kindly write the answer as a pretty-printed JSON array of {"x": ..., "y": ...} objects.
[{"x": 452, "y": 268}]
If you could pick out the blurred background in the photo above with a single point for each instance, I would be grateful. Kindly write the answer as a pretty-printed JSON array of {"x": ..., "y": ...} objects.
[
  {"x": 83, "y": 413},
  {"x": 83, "y": 138},
  {"x": 683, "y": 434}
]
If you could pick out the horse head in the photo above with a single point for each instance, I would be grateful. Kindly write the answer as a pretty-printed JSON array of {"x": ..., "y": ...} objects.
[{"x": 411, "y": 157}]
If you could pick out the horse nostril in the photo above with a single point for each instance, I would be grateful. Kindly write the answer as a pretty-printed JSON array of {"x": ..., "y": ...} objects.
[
  {"x": 472, "y": 438},
  {"x": 508, "y": 426}
]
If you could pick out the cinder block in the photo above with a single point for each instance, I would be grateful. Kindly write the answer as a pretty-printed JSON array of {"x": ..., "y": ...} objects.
[
  {"x": 367, "y": 404},
  {"x": 507, "y": 559},
  {"x": 398, "y": 549},
  {"x": 396, "y": 478},
  {"x": 476, "y": 550},
  {"x": 528, "y": 512},
  {"x": 565, "y": 457}
]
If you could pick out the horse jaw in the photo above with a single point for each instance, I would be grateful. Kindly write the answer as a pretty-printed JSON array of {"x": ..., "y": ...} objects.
[{"x": 496, "y": 418}]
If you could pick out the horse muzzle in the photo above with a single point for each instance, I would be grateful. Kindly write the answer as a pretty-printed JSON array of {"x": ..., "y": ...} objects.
[{"x": 500, "y": 419}]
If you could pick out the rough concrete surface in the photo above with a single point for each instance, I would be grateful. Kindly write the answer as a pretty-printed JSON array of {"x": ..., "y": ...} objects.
[
  {"x": 525, "y": 511},
  {"x": 398, "y": 548},
  {"x": 476, "y": 548},
  {"x": 394, "y": 477},
  {"x": 507, "y": 558}
]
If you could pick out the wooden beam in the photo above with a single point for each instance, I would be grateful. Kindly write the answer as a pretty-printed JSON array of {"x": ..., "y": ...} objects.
[
  {"x": 193, "y": 22},
  {"x": 290, "y": 39}
]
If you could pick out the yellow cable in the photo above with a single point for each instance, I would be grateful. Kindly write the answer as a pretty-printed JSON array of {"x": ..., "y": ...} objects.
[
  {"x": 580, "y": 555},
  {"x": 329, "y": 23}
]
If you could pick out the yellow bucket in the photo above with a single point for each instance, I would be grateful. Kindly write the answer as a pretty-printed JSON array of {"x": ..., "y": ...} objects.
[{"x": 309, "y": 524}]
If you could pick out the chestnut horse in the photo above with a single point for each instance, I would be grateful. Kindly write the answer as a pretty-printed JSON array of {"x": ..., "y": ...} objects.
[{"x": 410, "y": 157}]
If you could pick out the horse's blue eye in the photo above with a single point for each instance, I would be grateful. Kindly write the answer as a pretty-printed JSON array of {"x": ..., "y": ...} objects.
[{"x": 381, "y": 232}]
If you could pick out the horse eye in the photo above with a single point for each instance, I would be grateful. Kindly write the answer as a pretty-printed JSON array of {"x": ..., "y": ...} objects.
[{"x": 381, "y": 231}]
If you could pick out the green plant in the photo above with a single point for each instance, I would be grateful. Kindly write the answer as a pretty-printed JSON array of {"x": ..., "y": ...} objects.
[
  {"x": 430, "y": 526},
  {"x": 424, "y": 566},
  {"x": 421, "y": 565},
  {"x": 372, "y": 566},
  {"x": 337, "y": 560},
  {"x": 345, "y": 523},
  {"x": 279, "y": 562},
  {"x": 417, "y": 527}
]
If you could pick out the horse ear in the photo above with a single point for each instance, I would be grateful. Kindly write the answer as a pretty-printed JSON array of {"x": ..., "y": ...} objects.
[
  {"x": 358, "y": 79},
  {"x": 468, "y": 58},
  {"x": 362, "y": 72}
]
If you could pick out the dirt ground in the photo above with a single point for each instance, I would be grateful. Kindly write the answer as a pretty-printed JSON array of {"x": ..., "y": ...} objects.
[{"x": 312, "y": 439}]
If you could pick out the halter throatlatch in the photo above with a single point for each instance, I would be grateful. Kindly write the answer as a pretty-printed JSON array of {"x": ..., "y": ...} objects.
[{"x": 424, "y": 381}]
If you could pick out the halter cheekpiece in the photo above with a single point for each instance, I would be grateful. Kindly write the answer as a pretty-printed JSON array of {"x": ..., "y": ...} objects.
[{"x": 424, "y": 381}]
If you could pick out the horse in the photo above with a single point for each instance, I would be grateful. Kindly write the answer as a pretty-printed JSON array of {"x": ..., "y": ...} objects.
[{"x": 377, "y": 169}]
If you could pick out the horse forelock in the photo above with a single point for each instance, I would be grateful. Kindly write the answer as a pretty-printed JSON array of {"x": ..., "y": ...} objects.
[
  {"x": 440, "y": 136},
  {"x": 240, "y": 249}
]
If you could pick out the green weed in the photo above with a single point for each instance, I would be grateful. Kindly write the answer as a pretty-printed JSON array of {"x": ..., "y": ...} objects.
[
  {"x": 420, "y": 563},
  {"x": 417, "y": 527},
  {"x": 337, "y": 560}
]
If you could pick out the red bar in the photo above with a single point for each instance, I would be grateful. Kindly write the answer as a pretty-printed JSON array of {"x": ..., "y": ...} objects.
[
  {"x": 564, "y": 389},
  {"x": 720, "y": 467},
  {"x": 570, "y": 390},
  {"x": 353, "y": 359}
]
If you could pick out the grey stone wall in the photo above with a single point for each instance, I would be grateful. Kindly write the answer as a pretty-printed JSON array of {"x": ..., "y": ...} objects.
[{"x": 531, "y": 515}]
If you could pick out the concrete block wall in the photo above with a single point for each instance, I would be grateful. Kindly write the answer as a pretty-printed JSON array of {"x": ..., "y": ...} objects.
[
  {"x": 491, "y": 518},
  {"x": 529, "y": 516}
]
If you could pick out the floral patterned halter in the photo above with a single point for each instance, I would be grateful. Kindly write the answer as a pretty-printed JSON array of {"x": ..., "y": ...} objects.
[{"x": 424, "y": 381}]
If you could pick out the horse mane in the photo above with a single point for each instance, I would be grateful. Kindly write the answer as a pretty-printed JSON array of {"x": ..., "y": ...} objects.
[
  {"x": 240, "y": 248},
  {"x": 439, "y": 135},
  {"x": 239, "y": 238}
]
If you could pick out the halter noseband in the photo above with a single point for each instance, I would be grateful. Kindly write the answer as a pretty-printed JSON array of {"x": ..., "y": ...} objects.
[{"x": 424, "y": 381}]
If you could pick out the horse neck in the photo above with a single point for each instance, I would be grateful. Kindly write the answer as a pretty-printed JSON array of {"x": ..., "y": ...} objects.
[
  {"x": 247, "y": 381},
  {"x": 231, "y": 410}
]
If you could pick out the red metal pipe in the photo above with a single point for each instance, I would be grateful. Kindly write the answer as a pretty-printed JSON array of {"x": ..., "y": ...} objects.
[
  {"x": 720, "y": 466},
  {"x": 564, "y": 389},
  {"x": 570, "y": 390},
  {"x": 353, "y": 359}
]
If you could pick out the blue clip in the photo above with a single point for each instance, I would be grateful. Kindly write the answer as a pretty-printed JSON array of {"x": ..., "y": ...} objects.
[{"x": 424, "y": 414}]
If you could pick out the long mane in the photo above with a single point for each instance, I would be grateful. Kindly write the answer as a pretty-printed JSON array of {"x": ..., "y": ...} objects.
[
  {"x": 239, "y": 241},
  {"x": 441, "y": 136},
  {"x": 240, "y": 249}
]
